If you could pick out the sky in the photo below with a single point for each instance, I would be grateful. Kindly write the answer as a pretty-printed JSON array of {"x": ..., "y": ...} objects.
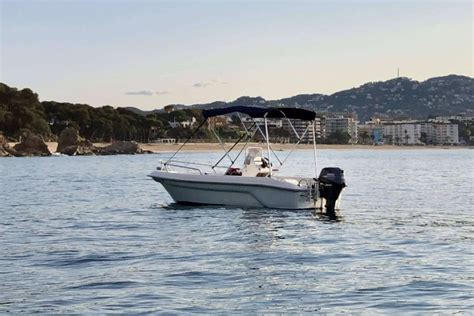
[{"x": 149, "y": 54}]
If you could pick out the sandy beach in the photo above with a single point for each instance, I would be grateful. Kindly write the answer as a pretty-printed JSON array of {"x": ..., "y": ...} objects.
[{"x": 209, "y": 147}]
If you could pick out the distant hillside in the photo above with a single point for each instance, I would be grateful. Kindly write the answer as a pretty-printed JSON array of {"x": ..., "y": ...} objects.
[{"x": 400, "y": 97}]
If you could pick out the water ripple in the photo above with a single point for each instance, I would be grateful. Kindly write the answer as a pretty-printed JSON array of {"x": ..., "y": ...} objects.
[{"x": 94, "y": 235}]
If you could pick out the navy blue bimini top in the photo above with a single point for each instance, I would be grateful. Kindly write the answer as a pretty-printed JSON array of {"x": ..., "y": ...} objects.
[{"x": 255, "y": 112}]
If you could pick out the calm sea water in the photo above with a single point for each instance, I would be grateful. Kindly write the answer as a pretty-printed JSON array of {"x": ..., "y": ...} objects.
[{"x": 95, "y": 235}]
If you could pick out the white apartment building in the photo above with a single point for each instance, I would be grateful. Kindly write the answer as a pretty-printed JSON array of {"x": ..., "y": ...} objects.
[
  {"x": 402, "y": 133},
  {"x": 188, "y": 123},
  {"x": 440, "y": 133},
  {"x": 300, "y": 127},
  {"x": 275, "y": 123},
  {"x": 341, "y": 123}
]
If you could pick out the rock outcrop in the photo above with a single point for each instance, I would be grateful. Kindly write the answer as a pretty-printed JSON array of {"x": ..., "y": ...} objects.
[
  {"x": 71, "y": 143},
  {"x": 31, "y": 145},
  {"x": 123, "y": 148},
  {"x": 4, "y": 147}
]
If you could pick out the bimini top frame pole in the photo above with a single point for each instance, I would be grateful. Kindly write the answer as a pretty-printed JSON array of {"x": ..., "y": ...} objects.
[
  {"x": 297, "y": 143},
  {"x": 187, "y": 140},
  {"x": 248, "y": 135},
  {"x": 271, "y": 149},
  {"x": 267, "y": 137},
  {"x": 314, "y": 151}
]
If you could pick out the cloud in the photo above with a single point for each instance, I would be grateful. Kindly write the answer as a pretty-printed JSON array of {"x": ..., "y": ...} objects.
[
  {"x": 201, "y": 84},
  {"x": 204, "y": 84},
  {"x": 217, "y": 81},
  {"x": 147, "y": 93},
  {"x": 142, "y": 92}
]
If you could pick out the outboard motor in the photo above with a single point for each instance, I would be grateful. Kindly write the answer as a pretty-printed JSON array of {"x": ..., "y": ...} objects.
[{"x": 331, "y": 183}]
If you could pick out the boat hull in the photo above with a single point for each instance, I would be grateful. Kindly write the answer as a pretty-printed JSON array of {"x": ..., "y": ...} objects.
[{"x": 234, "y": 191}]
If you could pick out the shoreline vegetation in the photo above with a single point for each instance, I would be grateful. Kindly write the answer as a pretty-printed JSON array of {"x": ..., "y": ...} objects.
[{"x": 152, "y": 148}]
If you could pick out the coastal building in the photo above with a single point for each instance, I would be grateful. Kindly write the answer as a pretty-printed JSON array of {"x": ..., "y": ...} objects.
[
  {"x": 185, "y": 124},
  {"x": 217, "y": 121},
  {"x": 188, "y": 123},
  {"x": 402, "y": 133},
  {"x": 342, "y": 123},
  {"x": 440, "y": 133},
  {"x": 377, "y": 136},
  {"x": 272, "y": 123},
  {"x": 416, "y": 133},
  {"x": 276, "y": 129},
  {"x": 460, "y": 118},
  {"x": 300, "y": 127},
  {"x": 370, "y": 134},
  {"x": 164, "y": 141}
]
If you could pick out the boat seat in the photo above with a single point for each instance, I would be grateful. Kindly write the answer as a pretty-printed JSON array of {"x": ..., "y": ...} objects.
[
  {"x": 233, "y": 172},
  {"x": 256, "y": 169},
  {"x": 263, "y": 172}
]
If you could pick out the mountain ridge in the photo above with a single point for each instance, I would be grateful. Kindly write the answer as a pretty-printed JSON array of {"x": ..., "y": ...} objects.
[{"x": 398, "y": 97}]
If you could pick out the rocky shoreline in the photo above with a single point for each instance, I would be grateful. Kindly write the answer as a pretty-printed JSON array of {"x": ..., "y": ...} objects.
[{"x": 69, "y": 143}]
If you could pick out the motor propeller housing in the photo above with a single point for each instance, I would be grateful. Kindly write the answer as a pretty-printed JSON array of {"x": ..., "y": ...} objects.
[{"x": 331, "y": 183}]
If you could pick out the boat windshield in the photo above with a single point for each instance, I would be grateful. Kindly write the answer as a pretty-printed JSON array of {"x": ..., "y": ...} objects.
[
  {"x": 251, "y": 154},
  {"x": 255, "y": 165}
]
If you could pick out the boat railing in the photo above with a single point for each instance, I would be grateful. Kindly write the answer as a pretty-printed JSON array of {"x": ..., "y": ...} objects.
[
  {"x": 184, "y": 167},
  {"x": 189, "y": 163},
  {"x": 210, "y": 166}
]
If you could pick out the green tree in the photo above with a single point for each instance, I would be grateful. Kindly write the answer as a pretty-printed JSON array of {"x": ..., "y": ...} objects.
[
  {"x": 365, "y": 137},
  {"x": 424, "y": 138},
  {"x": 338, "y": 137},
  {"x": 21, "y": 110}
]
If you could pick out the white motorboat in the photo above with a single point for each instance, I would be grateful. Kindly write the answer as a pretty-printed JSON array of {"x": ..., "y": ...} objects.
[{"x": 255, "y": 183}]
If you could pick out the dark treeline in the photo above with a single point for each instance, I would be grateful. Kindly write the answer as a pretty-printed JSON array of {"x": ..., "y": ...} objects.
[{"x": 21, "y": 112}]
